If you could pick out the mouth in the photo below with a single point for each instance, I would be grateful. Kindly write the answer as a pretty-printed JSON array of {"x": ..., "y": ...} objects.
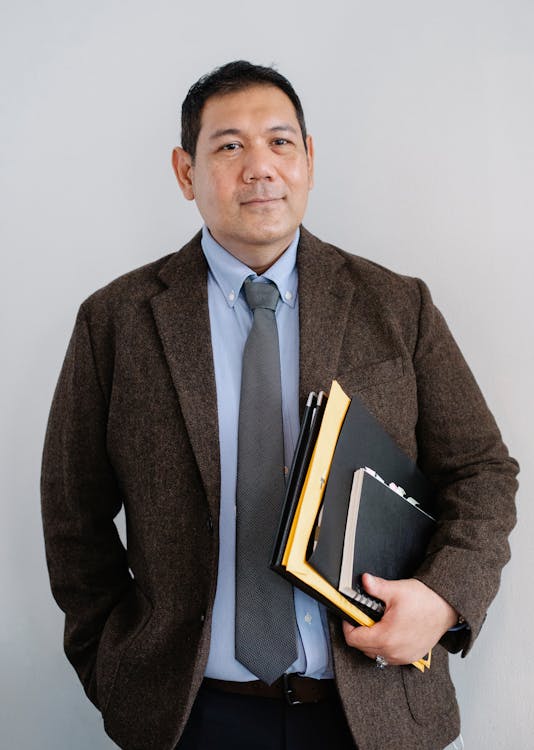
[{"x": 261, "y": 202}]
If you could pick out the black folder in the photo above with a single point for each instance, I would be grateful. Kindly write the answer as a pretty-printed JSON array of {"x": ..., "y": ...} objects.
[
  {"x": 386, "y": 534},
  {"x": 362, "y": 442}
]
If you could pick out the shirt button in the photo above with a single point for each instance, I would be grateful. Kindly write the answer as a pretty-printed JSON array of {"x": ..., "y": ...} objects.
[
  {"x": 231, "y": 296},
  {"x": 307, "y": 618},
  {"x": 288, "y": 296}
]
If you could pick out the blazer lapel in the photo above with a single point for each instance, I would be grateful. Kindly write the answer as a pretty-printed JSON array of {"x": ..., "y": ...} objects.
[
  {"x": 325, "y": 296},
  {"x": 182, "y": 320}
]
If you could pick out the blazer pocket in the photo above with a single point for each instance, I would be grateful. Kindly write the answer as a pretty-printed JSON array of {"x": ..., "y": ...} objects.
[
  {"x": 356, "y": 379},
  {"x": 124, "y": 625},
  {"x": 432, "y": 693}
]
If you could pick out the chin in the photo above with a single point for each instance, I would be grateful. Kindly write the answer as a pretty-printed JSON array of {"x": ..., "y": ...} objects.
[{"x": 267, "y": 233}]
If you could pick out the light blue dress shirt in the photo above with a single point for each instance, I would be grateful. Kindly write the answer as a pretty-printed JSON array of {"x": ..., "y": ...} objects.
[{"x": 231, "y": 321}]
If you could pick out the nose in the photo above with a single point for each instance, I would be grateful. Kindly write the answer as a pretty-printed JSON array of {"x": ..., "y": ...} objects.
[{"x": 258, "y": 164}]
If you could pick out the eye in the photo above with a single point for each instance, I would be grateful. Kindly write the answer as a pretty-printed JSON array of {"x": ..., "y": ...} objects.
[
  {"x": 280, "y": 142},
  {"x": 230, "y": 147}
]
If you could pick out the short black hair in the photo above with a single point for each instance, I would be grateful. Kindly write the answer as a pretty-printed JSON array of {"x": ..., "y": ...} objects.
[{"x": 228, "y": 79}]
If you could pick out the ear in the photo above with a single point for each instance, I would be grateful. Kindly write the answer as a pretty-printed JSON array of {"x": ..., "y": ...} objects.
[
  {"x": 183, "y": 166},
  {"x": 309, "y": 143}
]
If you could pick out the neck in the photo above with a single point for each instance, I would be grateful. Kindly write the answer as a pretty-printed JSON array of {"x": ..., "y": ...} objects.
[{"x": 257, "y": 257}]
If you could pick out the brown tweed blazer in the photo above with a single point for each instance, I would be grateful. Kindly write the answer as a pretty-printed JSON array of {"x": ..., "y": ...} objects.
[{"x": 134, "y": 422}]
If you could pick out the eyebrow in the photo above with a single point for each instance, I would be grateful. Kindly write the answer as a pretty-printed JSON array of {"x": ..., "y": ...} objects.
[{"x": 282, "y": 128}]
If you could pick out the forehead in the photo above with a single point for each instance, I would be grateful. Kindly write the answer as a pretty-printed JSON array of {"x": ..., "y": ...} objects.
[{"x": 259, "y": 106}]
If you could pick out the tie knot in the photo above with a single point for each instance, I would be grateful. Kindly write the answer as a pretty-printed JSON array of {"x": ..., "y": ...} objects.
[{"x": 261, "y": 295}]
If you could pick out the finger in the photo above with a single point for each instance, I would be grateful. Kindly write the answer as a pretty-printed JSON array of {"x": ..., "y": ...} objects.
[
  {"x": 380, "y": 588},
  {"x": 370, "y": 651},
  {"x": 362, "y": 638}
]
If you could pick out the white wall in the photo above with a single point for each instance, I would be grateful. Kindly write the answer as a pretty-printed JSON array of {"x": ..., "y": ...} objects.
[{"x": 423, "y": 115}]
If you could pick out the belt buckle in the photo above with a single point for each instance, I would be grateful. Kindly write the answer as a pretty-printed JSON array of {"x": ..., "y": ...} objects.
[{"x": 289, "y": 691}]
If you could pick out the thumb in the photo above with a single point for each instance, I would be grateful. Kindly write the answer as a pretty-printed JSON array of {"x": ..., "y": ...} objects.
[{"x": 377, "y": 587}]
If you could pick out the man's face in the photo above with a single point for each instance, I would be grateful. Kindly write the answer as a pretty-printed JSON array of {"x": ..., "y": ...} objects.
[{"x": 251, "y": 174}]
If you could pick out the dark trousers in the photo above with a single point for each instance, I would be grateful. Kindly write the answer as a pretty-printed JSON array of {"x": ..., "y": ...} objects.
[{"x": 226, "y": 721}]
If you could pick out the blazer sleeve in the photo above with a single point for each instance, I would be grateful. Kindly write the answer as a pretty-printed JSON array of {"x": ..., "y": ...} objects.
[
  {"x": 461, "y": 451},
  {"x": 86, "y": 560}
]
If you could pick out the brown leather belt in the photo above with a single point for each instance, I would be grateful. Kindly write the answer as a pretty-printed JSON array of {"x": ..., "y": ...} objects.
[{"x": 290, "y": 687}]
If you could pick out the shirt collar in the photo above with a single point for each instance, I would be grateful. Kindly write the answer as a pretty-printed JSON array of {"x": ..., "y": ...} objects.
[{"x": 230, "y": 273}]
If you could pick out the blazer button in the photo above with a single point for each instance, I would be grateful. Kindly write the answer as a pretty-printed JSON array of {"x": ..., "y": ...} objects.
[
  {"x": 209, "y": 524},
  {"x": 202, "y": 617}
]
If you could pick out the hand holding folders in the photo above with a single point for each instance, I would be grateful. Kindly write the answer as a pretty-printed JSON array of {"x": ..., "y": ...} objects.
[
  {"x": 387, "y": 529},
  {"x": 399, "y": 637}
]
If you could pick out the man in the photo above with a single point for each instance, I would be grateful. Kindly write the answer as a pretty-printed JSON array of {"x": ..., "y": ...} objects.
[{"x": 153, "y": 411}]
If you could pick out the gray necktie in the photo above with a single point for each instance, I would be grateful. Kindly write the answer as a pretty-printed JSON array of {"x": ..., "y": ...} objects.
[{"x": 266, "y": 641}]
